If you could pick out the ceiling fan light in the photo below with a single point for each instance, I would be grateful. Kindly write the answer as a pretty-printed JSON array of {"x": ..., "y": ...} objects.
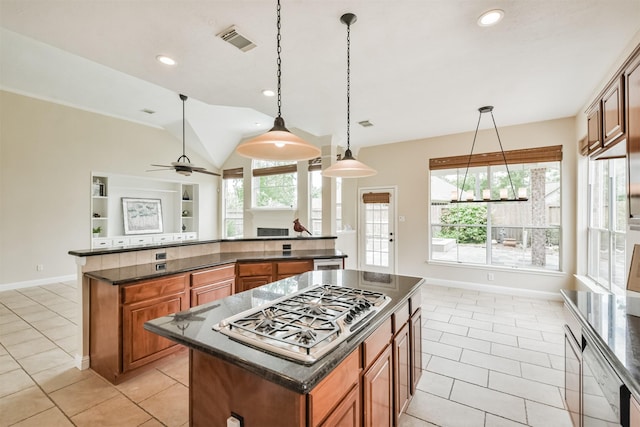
[{"x": 278, "y": 144}]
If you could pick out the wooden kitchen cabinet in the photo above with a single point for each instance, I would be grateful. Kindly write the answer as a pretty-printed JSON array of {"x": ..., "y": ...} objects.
[
  {"x": 377, "y": 391},
  {"x": 253, "y": 274},
  {"x": 402, "y": 370},
  {"x": 347, "y": 413},
  {"x": 118, "y": 343},
  {"x": 613, "y": 112},
  {"x": 415, "y": 335},
  {"x": 325, "y": 400},
  {"x": 632, "y": 75},
  {"x": 286, "y": 269},
  {"x": 634, "y": 412},
  {"x": 594, "y": 133},
  {"x": 212, "y": 284}
]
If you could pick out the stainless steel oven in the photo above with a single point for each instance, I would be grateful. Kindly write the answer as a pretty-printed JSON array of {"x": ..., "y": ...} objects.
[
  {"x": 605, "y": 398},
  {"x": 328, "y": 264},
  {"x": 572, "y": 375}
]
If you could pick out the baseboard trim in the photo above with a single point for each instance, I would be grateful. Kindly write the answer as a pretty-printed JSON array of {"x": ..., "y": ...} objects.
[
  {"x": 82, "y": 362},
  {"x": 505, "y": 290},
  {"x": 38, "y": 282}
]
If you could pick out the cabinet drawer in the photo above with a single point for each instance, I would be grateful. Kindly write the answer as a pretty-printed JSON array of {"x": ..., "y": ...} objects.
[
  {"x": 331, "y": 390},
  {"x": 294, "y": 267},
  {"x": 213, "y": 275},
  {"x": 400, "y": 317},
  {"x": 573, "y": 323},
  {"x": 255, "y": 269},
  {"x": 154, "y": 289},
  {"x": 163, "y": 238},
  {"x": 102, "y": 243},
  {"x": 140, "y": 240},
  {"x": 376, "y": 342}
]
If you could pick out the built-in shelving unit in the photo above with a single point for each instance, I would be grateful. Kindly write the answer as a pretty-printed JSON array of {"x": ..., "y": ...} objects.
[{"x": 179, "y": 202}]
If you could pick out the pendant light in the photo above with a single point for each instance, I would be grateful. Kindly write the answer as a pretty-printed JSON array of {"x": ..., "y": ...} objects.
[
  {"x": 460, "y": 196},
  {"x": 279, "y": 143},
  {"x": 348, "y": 166}
]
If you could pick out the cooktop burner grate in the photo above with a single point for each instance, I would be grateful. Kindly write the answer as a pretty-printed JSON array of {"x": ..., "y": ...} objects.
[{"x": 308, "y": 324}]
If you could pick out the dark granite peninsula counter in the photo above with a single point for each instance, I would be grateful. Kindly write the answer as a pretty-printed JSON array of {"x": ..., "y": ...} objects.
[
  {"x": 612, "y": 323},
  {"x": 382, "y": 356},
  {"x": 133, "y": 273}
]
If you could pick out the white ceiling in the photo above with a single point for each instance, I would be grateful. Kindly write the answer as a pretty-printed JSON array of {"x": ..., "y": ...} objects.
[{"x": 419, "y": 68}]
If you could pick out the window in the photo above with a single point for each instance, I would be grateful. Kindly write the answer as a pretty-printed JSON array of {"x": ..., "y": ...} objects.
[
  {"x": 233, "y": 202},
  {"x": 275, "y": 184},
  {"x": 315, "y": 196},
  {"x": 524, "y": 234},
  {"x": 607, "y": 222}
]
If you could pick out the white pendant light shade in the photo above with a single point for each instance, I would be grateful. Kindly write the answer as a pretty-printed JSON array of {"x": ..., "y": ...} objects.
[
  {"x": 348, "y": 167},
  {"x": 278, "y": 144}
]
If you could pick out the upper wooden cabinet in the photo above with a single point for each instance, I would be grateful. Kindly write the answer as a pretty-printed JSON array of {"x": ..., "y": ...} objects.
[
  {"x": 613, "y": 112},
  {"x": 632, "y": 76},
  {"x": 594, "y": 133}
]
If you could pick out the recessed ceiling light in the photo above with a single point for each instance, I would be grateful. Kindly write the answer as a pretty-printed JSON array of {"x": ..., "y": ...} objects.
[
  {"x": 268, "y": 92},
  {"x": 490, "y": 17},
  {"x": 166, "y": 60}
]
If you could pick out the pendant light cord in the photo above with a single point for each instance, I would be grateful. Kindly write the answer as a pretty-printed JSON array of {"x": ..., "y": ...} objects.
[
  {"x": 279, "y": 61},
  {"x": 348, "y": 86},
  {"x": 504, "y": 157}
]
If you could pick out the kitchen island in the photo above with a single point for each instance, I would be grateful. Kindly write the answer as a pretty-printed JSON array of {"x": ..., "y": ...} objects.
[{"x": 369, "y": 377}]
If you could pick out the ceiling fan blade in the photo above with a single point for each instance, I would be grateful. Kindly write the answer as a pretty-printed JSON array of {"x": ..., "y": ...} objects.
[
  {"x": 158, "y": 170},
  {"x": 163, "y": 166},
  {"x": 207, "y": 172}
]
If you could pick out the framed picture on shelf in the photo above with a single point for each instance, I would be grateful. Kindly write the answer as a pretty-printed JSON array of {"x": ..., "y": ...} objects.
[{"x": 142, "y": 216}]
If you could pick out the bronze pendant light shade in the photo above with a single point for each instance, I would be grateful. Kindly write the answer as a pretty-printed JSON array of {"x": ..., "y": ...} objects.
[
  {"x": 348, "y": 166},
  {"x": 278, "y": 143}
]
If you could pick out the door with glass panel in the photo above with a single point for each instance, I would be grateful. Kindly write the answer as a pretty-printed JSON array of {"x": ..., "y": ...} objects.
[{"x": 377, "y": 229}]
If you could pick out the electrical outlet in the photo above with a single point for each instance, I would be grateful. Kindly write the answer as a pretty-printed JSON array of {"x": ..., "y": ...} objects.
[
  {"x": 39, "y": 267},
  {"x": 490, "y": 276}
]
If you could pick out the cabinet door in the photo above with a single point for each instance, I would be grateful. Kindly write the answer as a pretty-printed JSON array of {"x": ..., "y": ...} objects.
[
  {"x": 634, "y": 413},
  {"x": 347, "y": 414},
  {"x": 613, "y": 113},
  {"x": 286, "y": 269},
  {"x": 246, "y": 283},
  {"x": 377, "y": 387},
  {"x": 594, "y": 135},
  {"x": 415, "y": 334},
  {"x": 401, "y": 367},
  {"x": 139, "y": 345},
  {"x": 633, "y": 137},
  {"x": 208, "y": 293}
]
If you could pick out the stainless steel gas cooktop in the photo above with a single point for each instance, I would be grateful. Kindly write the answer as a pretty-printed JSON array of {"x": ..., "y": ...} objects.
[{"x": 305, "y": 325}]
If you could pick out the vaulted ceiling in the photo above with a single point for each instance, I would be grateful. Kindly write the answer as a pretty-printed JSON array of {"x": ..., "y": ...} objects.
[{"x": 419, "y": 68}]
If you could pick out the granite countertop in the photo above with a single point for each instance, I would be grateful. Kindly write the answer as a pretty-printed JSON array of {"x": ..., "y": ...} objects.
[
  {"x": 125, "y": 275},
  {"x": 160, "y": 245},
  {"x": 193, "y": 328},
  {"x": 612, "y": 322}
]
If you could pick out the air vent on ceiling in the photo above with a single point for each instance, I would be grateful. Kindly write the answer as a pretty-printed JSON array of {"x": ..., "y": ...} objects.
[
  {"x": 148, "y": 111},
  {"x": 365, "y": 123},
  {"x": 231, "y": 35}
]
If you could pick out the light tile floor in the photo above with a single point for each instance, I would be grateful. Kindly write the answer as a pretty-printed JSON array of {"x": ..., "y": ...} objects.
[{"x": 489, "y": 360}]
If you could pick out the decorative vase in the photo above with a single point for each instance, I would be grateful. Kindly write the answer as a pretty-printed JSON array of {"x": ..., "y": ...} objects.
[{"x": 185, "y": 195}]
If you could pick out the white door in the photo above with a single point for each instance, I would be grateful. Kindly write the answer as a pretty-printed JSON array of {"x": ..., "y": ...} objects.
[{"x": 377, "y": 229}]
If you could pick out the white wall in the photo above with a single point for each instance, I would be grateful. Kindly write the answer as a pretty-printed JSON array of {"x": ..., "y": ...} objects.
[
  {"x": 47, "y": 154},
  {"x": 406, "y": 165}
]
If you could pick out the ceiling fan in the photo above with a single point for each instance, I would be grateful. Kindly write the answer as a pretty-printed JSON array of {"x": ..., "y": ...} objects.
[{"x": 183, "y": 165}]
